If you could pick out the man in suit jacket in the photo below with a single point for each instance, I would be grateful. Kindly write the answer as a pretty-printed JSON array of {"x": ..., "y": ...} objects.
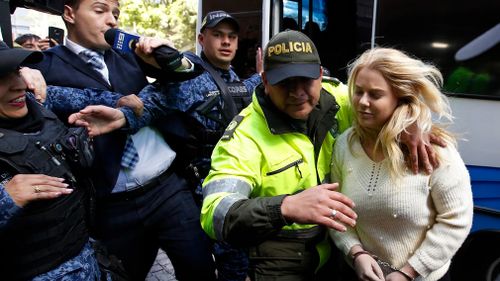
[{"x": 140, "y": 208}]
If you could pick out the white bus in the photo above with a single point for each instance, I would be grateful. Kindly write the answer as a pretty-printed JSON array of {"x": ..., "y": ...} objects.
[{"x": 461, "y": 37}]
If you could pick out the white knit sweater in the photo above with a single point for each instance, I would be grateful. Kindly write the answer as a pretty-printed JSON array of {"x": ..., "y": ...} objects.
[{"x": 422, "y": 220}]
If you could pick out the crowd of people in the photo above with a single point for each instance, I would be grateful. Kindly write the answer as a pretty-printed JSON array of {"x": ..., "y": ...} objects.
[{"x": 255, "y": 179}]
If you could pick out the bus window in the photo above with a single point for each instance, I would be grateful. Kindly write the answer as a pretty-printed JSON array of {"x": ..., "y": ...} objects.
[
  {"x": 461, "y": 39},
  {"x": 290, "y": 16},
  {"x": 291, "y": 10},
  {"x": 333, "y": 29}
]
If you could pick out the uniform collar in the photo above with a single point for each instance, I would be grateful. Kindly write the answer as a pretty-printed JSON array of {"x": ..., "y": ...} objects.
[{"x": 220, "y": 70}]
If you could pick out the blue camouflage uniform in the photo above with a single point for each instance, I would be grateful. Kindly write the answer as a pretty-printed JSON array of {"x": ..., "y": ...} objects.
[
  {"x": 185, "y": 97},
  {"x": 82, "y": 267}
]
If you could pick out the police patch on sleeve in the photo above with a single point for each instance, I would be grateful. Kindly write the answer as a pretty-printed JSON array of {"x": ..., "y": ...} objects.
[{"x": 228, "y": 133}]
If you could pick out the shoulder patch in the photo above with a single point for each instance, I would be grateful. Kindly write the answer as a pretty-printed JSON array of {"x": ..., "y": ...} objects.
[{"x": 228, "y": 133}]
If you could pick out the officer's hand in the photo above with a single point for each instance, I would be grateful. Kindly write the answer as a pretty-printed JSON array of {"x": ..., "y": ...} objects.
[
  {"x": 316, "y": 205},
  {"x": 259, "y": 63},
  {"x": 98, "y": 119},
  {"x": 23, "y": 188},
  {"x": 35, "y": 82},
  {"x": 134, "y": 102},
  {"x": 422, "y": 154}
]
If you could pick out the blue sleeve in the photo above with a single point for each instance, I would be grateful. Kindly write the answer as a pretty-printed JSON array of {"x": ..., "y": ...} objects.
[
  {"x": 63, "y": 100},
  {"x": 7, "y": 206},
  {"x": 252, "y": 82},
  {"x": 155, "y": 107}
]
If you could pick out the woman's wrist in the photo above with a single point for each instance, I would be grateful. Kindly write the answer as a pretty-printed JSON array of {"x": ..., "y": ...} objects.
[
  {"x": 406, "y": 275},
  {"x": 359, "y": 253},
  {"x": 408, "y": 272}
]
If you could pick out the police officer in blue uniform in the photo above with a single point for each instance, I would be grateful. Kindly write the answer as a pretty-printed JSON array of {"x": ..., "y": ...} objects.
[
  {"x": 199, "y": 109},
  {"x": 43, "y": 197}
]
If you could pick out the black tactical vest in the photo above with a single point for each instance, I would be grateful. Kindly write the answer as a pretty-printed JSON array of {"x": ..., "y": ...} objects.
[
  {"x": 192, "y": 140},
  {"x": 45, "y": 233}
]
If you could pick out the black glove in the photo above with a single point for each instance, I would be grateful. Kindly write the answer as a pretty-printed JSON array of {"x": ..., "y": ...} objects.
[{"x": 168, "y": 58}]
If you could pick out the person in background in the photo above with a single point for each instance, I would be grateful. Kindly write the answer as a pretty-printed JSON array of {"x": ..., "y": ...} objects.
[
  {"x": 409, "y": 226},
  {"x": 34, "y": 42},
  {"x": 142, "y": 204},
  {"x": 43, "y": 199},
  {"x": 289, "y": 23},
  {"x": 28, "y": 41}
]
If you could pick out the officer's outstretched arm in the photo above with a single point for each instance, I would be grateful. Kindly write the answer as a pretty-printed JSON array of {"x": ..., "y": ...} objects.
[{"x": 98, "y": 119}]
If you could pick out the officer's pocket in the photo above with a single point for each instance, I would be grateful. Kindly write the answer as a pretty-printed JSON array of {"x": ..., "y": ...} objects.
[
  {"x": 286, "y": 166},
  {"x": 285, "y": 175},
  {"x": 281, "y": 257}
]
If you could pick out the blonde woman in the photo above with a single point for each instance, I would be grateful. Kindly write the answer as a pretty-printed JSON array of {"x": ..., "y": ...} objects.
[{"x": 409, "y": 225}]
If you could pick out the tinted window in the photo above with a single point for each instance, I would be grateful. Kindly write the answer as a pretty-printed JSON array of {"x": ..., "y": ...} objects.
[
  {"x": 334, "y": 29},
  {"x": 291, "y": 15},
  {"x": 460, "y": 37}
]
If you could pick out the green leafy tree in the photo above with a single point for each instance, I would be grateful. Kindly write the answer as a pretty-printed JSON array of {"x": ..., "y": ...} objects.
[{"x": 171, "y": 19}]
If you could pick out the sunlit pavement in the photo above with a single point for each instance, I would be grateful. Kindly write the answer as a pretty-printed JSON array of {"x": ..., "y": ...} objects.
[{"x": 162, "y": 269}]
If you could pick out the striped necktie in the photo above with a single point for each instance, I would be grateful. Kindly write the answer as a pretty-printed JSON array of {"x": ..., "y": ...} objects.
[{"x": 94, "y": 59}]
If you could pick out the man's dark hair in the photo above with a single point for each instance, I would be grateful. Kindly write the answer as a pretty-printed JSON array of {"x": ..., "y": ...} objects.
[
  {"x": 72, "y": 3},
  {"x": 26, "y": 37}
]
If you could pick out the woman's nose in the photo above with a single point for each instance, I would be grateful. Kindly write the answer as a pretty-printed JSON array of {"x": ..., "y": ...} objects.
[{"x": 363, "y": 100}]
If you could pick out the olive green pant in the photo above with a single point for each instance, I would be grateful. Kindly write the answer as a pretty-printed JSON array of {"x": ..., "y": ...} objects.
[{"x": 283, "y": 260}]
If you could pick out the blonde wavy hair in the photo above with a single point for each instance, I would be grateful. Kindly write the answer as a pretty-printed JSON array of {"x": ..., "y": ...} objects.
[{"x": 417, "y": 86}]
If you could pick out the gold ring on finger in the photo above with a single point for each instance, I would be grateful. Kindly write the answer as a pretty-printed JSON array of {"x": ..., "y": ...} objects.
[{"x": 37, "y": 189}]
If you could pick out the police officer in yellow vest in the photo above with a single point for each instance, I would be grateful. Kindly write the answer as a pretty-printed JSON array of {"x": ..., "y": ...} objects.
[{"x": 268, "y": 188}]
